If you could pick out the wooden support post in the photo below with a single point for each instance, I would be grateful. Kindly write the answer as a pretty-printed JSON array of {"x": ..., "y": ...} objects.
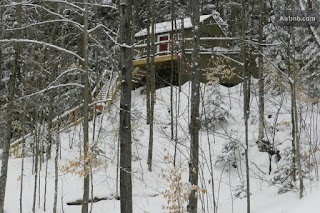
[
  {"x": 16, "y": 150},
  {"x": 73, "y": 117}
]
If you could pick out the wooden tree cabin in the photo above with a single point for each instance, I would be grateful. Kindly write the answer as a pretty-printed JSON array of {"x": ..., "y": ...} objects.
[{"x": 220, "y": 57}]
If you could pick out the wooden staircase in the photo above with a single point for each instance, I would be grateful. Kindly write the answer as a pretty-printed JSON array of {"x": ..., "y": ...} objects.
[
  {"x": 106, "y": 96},
  {"x": 138, "y": 75}
]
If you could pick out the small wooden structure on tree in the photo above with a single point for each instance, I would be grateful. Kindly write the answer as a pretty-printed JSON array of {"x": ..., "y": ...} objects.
[{"x": 220, "y": 56}]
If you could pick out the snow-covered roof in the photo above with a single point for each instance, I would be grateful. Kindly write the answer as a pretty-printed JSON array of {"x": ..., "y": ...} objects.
[{"x": 166, "y": 26}]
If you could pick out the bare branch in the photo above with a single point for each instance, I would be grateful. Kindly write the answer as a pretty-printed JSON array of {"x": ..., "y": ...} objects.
[
  {"x": 46, "y": 22},
  {"x": 65, "y": 72},
  {"x": 50, "y": 88},
  {"x": 44, "y": 44}
]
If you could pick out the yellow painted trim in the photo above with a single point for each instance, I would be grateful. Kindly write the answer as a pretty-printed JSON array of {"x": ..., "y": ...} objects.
[{"x": 157, "y": 59}]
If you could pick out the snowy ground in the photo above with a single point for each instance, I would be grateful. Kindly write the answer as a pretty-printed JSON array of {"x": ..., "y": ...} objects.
[{"x": 148, "y": 188}]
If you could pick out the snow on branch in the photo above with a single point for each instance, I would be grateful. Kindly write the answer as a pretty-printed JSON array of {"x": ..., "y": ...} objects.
[
  {"x": 46, "y": 22},
  {"x": 101, "y": 26},
  {"x": 310, "y": 62},
  {"x": 50, "y": 88},
  {"x": 53, "y": 13},
  {"x": 314, "y": 33},
  {"x": 103, "y": 5},
  {"x": 65, "y": 72},
  {"x": 227, "y": 57},
  {"x": 66, "y": 2},
  {"x": 275, "y": 66},
  {"x": 44, "y": 44},
  {"x": 117, "y": 43}
]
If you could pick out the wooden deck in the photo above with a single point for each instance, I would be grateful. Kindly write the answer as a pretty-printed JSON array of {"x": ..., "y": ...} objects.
[{"x": 157, "y": 59}]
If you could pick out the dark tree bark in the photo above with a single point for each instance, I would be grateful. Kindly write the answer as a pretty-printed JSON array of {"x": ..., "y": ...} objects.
[
  {"x": 125, "y": 106},
  {"x": 152, "y": 86},
  {"x": 261, "y": 74},
  {"x": 86, "y": 101},
  {"x": 56, "y": 175},
  {"x": 22, "y": 158},
  {"x": 36, "y": 163},
  {"x": 246, "y": 96},
  {"x": 173, "y": 24},
  {"x": 148, "y": 88},
  {"x": 292, "y": 69},
  {"x": 195, "y": 101},
  {"x": 9, "y": 114}
]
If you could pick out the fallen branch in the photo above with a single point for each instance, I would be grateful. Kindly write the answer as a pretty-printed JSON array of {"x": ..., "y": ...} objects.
[{"x": 95, "y": 200}]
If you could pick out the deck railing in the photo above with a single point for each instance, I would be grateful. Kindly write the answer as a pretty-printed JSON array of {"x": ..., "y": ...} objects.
[{"x": 208, "y": 45}]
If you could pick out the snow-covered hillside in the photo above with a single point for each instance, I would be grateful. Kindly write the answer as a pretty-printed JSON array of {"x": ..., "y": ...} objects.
[{"x": 221, "y": 152}]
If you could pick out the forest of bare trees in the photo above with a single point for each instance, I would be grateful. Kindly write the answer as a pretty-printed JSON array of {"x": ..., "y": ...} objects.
[{"x": 156, "y": 105}]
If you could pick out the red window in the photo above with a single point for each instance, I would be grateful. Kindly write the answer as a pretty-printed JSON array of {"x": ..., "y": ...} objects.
[{"x": 163, "y": 47}]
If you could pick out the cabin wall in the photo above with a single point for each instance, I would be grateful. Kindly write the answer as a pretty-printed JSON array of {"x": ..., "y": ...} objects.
[{"x": 207, "y": 29}]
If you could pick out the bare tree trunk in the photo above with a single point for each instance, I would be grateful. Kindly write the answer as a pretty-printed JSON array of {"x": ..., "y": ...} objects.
[
  {"x": 56, "y": 174},
  {"x": 261, "y": 75},
  {"x": 8, "y": 119},
  {"x": 45, "y": 185},
  {"x": 91, "y": 177},
  {"x": 36, "y": 167},
  {"x": 152, "y": 87},
  {"x": 294, "y": 110},
  {"x": 57, "y": 151},
  {"x": 86, "y": 179},
  {"x": 1, "y": 36},
  {"x": 211, "y": 164},
  {"x": 172, "y": 33},
  {"x": 181, "y": 68},
  {"x": 118, "y": 166},
  {"x": 125, "y": 106},
  {"x": 195, "y": 102},
  {"x": 182, "y": 51},
  {"x": 295, "y": 121},
  {"x": 50, "y": 124},
  {"x": 296, "y": 137},
  {"x": 22, "y": 176},
  {"x": 246, "y": 99},
  {"x": 22, "y": 157},
  {"x": 148, "y": 85},
  {"x": 49, "y": 142}
]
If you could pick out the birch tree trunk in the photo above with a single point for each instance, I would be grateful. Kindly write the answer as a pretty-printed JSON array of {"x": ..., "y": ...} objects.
[
  {"x": 125, "y": 106},
  {"x": 194, "y": 126}
]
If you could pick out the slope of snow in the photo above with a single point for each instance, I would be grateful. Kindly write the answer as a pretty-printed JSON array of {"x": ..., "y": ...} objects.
[{"x": 148, "y": 187}]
